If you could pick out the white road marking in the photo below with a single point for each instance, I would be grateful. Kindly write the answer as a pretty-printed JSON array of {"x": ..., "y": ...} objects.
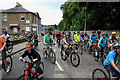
[{"x": 59, "y": 66}]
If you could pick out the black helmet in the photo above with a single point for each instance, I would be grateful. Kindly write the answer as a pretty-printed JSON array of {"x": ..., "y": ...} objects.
[
  {"x": 116, "y": 45},
  {"x": 5, "y": 31},
  {"x": 93, "y": 31},
  {"x": 78, "y": 31}
]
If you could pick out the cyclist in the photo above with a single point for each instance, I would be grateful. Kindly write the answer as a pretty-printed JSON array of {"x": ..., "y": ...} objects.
[
  {"x": 33, "y": 55},
  {"x": 78, "y": 39},
  {"x": 102, "y": 42},
  {"x": 98, "y": 33},
  {"x": 112, "y": 60},
  {"x": 92, "y": 38},
  {"x": 35, "y": 37},
  {"x": 30, "y": 37},
  {"x": 47, "y": 39},
  {"x": 3, "y": 49},
  {"x": 67, "y": 41},
  {"x": 113, "y": 39},
  {"x": 58, "y": 36}
]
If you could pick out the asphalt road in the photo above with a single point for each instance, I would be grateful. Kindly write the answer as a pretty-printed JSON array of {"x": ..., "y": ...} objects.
[{"x": 59, "y": 70}]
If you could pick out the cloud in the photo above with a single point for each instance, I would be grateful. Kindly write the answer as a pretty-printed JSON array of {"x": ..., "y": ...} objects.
[{"x": 48, "y": 15}]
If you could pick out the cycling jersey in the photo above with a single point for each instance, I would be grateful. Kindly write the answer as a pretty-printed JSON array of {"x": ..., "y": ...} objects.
[
  {"x": 103, "y": 41},
  {"x": 93, "y": 38},
  {"x": 113, "y": 38},
  {"x": 77, "y": 38},
  {"x": 111, "y": 57}
]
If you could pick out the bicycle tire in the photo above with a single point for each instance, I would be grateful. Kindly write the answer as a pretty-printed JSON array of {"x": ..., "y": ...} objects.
[
  {"x": 99, "y": 78},
  {"x": 44, "y": 53},
  {"x": 52, "y": 55},
  {"x": 63, "y": 57},
  {"x": 96, "y": 56},
  {"x": 10, "y": 48},
  {"x": 10, "y": 67},
  {"x": 71, "y": 59}
]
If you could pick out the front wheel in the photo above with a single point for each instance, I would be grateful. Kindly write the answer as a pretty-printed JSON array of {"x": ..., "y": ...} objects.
[
  {"x": 10, "y": 47},
  {"x": 75, "y": 59},
  {"x": 52, "y": 57},
  {"x": 9, "y": 64},
  {"x": 96, "y": 56},
  {"x": 63, "y": 55},
  {"x": 99, "y": 74},
  {"x": 44, "y": 53}
]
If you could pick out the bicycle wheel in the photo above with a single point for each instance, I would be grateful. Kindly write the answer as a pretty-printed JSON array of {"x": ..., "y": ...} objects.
[
  {"x": 9, "y": 63},
  {"x": 9, "y": 47},
  {"x": 24, "y": 77},
  {"x": 96, "y": 55},
  {"x": 99, "y": 74},
  {"x": 52, "y": 57},
  {"x": 75, "y": 59},
  {"x": 44, "y": 53},
  {"x": 63, "y": 55}
]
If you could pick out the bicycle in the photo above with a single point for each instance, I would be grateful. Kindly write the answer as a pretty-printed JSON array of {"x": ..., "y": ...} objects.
[
  {"x": 30, "y": 72},
  {"x": 99, "y": 74},
  {"x": 9, "y": 63},
  {"x": 49, "y": 53},
  {"x": 74, "y": 57},
  {"x": 79, "y": 44},
  {"x": 101, "y": 55},
  {"x": 93, "y": 48}
]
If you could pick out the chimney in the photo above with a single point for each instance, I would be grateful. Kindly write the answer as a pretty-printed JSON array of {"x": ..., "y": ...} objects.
[{"x": 18, "y": 4}]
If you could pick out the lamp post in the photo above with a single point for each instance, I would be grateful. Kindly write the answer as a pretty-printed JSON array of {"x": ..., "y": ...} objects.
[{"x": 85, "y": 20}]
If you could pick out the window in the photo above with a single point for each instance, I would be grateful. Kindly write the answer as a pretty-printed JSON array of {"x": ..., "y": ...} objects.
[
  {"x": 22, "y": 28},
  {"x": 27, "y": 21},
  {"x": 15, "y": 30},
  {"x": 27, "y": 28},
  {"x": 4, "y": 17},
  {"x": 33, "y": 19},
  {"x": 22, "y": 17}
]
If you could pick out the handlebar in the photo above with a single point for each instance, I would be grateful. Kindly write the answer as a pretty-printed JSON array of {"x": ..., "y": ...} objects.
[
  {"x": 23, "y": 60},
  {"x": 50, "y": 44}
]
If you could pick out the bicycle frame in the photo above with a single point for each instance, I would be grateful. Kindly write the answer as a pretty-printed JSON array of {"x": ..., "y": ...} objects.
[{"x": 28, "y": 71}]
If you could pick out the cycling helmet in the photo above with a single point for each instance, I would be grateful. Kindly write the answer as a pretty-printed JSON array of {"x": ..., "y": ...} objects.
[
  {"x": 78, "y": 31},
  {"x": 116, "y": 45},
  {"x": 93, "y": 31},
  {"x": 104, "y": 33},
  {"x": 5, "y": 31},
  {"x": 113, "y": 32}
]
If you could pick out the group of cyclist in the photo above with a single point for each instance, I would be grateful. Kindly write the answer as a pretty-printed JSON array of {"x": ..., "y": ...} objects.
[{"x": 65, "y": 39}]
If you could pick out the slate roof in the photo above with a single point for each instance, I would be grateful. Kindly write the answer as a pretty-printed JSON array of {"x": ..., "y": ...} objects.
[{"x": 16, "y": 9}]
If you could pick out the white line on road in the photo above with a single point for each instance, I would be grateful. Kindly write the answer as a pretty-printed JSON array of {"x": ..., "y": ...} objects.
[{"x": 59, "y": 66}]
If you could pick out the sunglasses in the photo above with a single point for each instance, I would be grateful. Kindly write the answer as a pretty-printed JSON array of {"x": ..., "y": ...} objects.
[{"x": 28, "y": 47}]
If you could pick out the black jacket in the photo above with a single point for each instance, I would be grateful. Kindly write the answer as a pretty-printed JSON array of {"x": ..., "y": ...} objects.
[{"x": 32, "y": 55}]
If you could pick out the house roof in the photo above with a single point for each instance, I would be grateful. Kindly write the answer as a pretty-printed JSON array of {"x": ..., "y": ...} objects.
[{"x": 16, "y": 9}]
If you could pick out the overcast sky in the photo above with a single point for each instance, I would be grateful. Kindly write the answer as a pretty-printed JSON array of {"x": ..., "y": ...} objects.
[{"x": 49, "y": 10}]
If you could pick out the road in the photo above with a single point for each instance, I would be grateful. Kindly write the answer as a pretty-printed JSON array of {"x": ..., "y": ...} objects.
[{"x": 59, "y": 70}]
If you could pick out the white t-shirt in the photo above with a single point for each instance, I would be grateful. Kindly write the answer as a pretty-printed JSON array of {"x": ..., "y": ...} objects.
[{"x": 5, "y": 37}]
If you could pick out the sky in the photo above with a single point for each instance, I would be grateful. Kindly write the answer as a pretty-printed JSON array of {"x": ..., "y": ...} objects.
[{"x": 49, "y": 10}]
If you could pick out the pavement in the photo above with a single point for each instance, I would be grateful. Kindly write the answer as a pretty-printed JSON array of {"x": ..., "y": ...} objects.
[{"x": 59, "y": 70}]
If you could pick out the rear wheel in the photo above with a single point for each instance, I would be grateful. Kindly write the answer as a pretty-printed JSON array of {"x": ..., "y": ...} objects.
[
  {"x": 52, "y": 57},
  {"x": 99, "y": 74},
  {"x": 75, "y": 59},
  {"x": 9, "y": 64}
]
